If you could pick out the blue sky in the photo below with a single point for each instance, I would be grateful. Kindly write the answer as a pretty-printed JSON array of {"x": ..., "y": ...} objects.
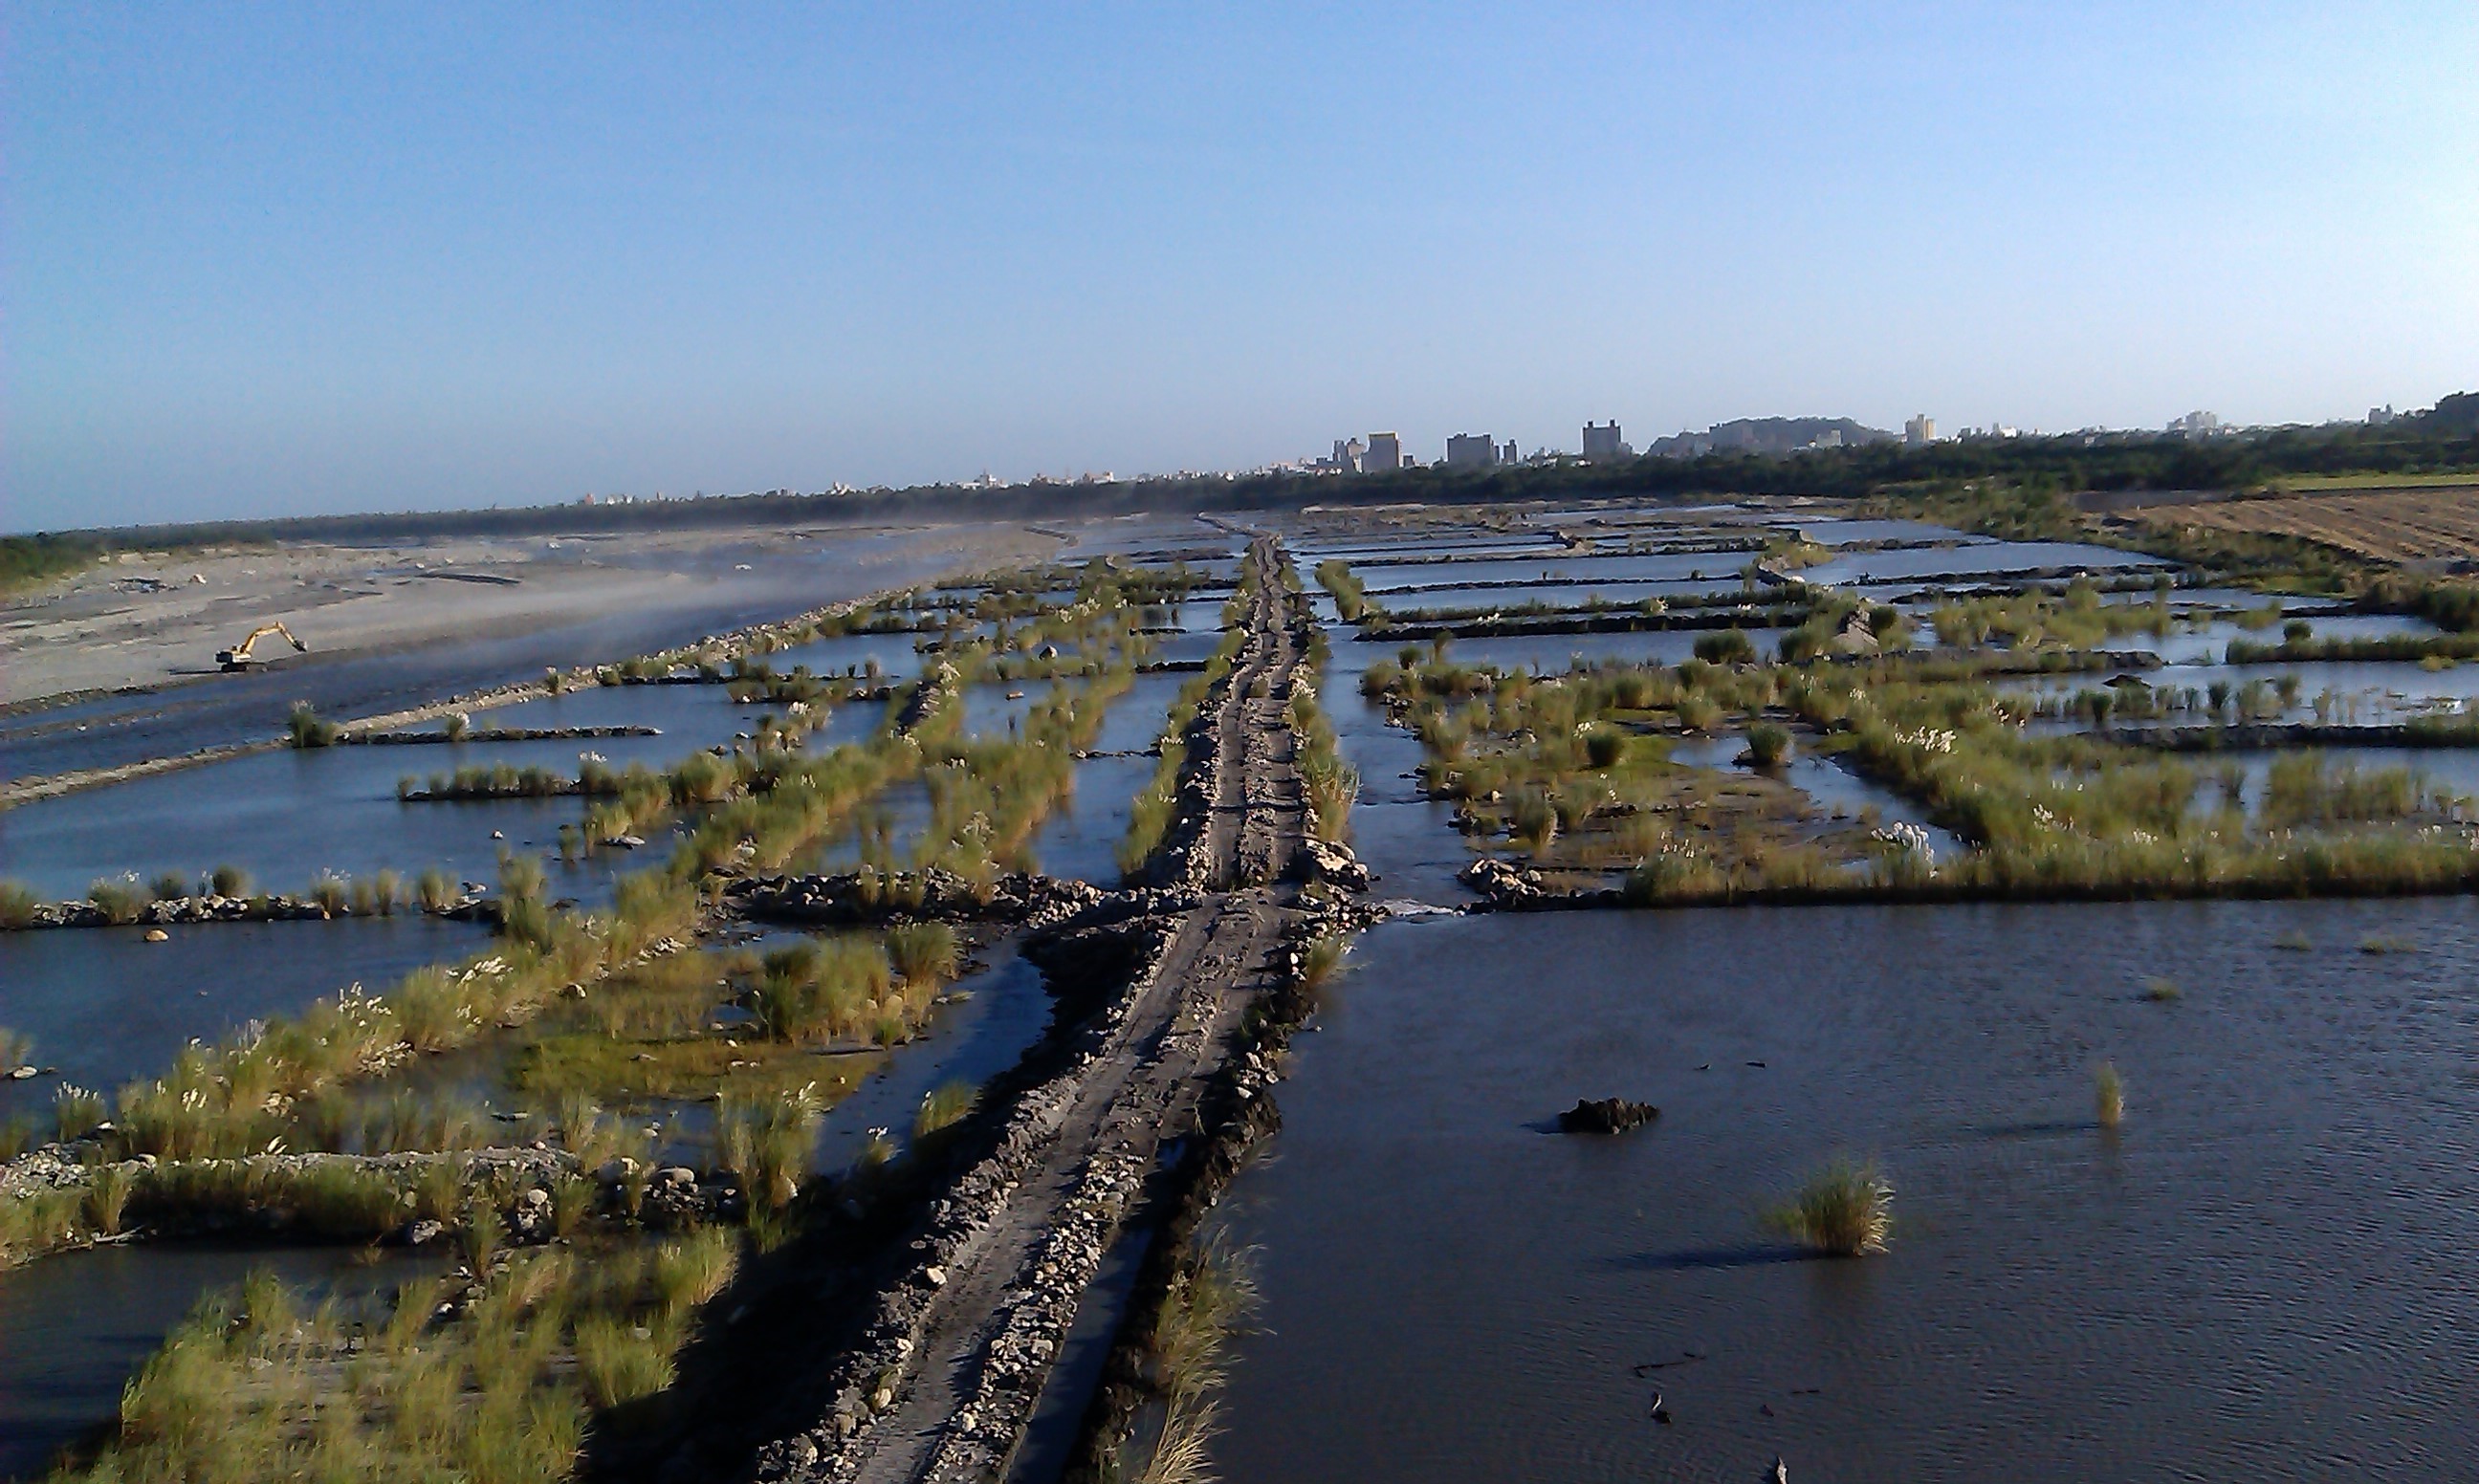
[{"x": 269, "y": 259}]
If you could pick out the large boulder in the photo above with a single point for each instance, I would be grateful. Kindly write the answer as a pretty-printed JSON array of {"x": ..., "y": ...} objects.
[
  {"x": 1502, "y": 884},
  {"x": 1333, "y": 864}
]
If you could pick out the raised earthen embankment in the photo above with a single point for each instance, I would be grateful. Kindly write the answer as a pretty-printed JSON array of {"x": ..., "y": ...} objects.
[{"x": 962, "y": 1336}]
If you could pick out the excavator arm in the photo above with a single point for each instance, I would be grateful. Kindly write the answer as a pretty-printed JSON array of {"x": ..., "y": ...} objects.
[{"x": 242, "y": 655}]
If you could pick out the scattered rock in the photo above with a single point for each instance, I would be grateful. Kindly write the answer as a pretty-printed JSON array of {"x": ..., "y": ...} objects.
[
  {"x": 157, "y": 936},
  {"x": 1333, "y": 864},
  {"x": 1605, "y": 1116}
]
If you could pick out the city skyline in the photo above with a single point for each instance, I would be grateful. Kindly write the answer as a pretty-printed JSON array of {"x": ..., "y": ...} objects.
[{"x": 275, "y": 263}]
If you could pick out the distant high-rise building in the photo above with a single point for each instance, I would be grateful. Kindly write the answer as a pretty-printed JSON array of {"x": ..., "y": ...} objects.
[
  {"x": 1507, "y": 454},
  {"x": 1604, "y": 443},
  {"x": 2378, "y": 417},
  {"x": 1470, "y": 451},
  {"x": 1920, "y": 429},
  {"x": 1347, "y": 453},
  {"x": 2196, "y": 424},
  {"x": 1384, "y": 454}
]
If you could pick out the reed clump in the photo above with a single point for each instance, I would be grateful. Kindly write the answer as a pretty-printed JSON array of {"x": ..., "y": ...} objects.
[
  {"x": 121, "y": 901},
  {"x": 764, "y": 1140},
  {"x": 927, "y": 954},
  {"x": 1844, "y": 1210},
  {"x": 1207, "y": 1300},
  {"x": 944, "y": 1106},
  {"x": 497, "y": 1376},
  {"x": 1324, "y": 958},
  {"x": 236, "y": 1098},
  {"x": 75, "y": 1111},
  {"x": 17, "y": 904},
  {"x": 41, "y": 1222},
  {"x": 1351, "y": 599},
  {"x": 824, "y": 989},
  {"x": 434, "y": 890},
  {"x": 1328, "y": 784},
  {"x": 305, "y": 728},
  {"x": 1768, "y": 744},
  {"x": 2109, "y": 1096}
]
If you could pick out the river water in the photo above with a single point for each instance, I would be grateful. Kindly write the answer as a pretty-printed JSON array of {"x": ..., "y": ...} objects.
[
  {"x": 220, "y": 709},
  {"x": 2264, "y": 1277},
  {"x": 74, "y": 1328}
]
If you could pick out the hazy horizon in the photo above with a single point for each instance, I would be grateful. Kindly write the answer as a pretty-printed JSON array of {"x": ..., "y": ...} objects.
[{"x": 296, "y": 260}]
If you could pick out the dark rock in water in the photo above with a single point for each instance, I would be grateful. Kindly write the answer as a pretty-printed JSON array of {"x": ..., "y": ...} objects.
[{"x": 1605, "y": 1116}]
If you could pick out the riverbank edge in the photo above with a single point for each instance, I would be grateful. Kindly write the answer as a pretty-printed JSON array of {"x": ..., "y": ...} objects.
[{"x": 734, "y": 644}]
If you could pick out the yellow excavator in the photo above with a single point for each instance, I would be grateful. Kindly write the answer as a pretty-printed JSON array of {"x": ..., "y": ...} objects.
[{"x": 242, "y": 655}]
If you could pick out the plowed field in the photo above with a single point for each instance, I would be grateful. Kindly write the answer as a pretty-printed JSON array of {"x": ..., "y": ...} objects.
[{"x": 2389, "y": 525}]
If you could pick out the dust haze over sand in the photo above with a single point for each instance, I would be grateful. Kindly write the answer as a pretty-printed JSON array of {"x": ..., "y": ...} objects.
[
  {"x": 146, "y": 620},
  {"x": 403, "y": 624}
]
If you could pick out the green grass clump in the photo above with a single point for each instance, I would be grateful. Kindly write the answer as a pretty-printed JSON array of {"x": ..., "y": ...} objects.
[
  {"x": 1350, "y": 598},
  {"x": 43, "y": 1221},
  {"x": 1767, "y": 743},
  {"x": 924, "y": 953},
  {"x": 619, "y": 1362},
  {"x": 332, "y": 1202},
  {"x": 765, "y": 1141},
  {"x": 500, "y": 1385},
  {"x": 1844, "y": 1209},
  {"x": 1324, "y": 958},
  {"x": 1328, "y": 784},
  {"x": 121, "y": 901},
  {"x": 826, "y": 989},
  {"x": 107, "y": 1198},
  {"x": 2161, "y": 991},
  {"x": 228, "y": 881},
  {"x": 1726, "y": 647},
  {"x": 17, "y": 904},
  {"x": 1207, "y": 1300},
  {"x": 1151, "y": 811},
  {"x": 16, "y": 1049},
  {"x": 75, "y": 1111},
  {"x": 305, "y": 728},
  {"x": 943, "y": 1108}
]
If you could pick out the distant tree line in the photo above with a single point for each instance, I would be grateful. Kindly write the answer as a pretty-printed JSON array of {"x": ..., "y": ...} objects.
[{"x": 2444, "y": 437}]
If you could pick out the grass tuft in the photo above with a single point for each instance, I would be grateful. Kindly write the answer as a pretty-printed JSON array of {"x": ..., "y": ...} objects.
[
  {"x": 943, "y": 1108},
  {"x": 1324, "y": 958},
  {"x": 2109, "y": 1096},
  {"x": 1844, "y": 1209}
]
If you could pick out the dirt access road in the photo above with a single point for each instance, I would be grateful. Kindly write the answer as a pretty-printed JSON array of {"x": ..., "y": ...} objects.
[{"x": 1003, "y": 1300}]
